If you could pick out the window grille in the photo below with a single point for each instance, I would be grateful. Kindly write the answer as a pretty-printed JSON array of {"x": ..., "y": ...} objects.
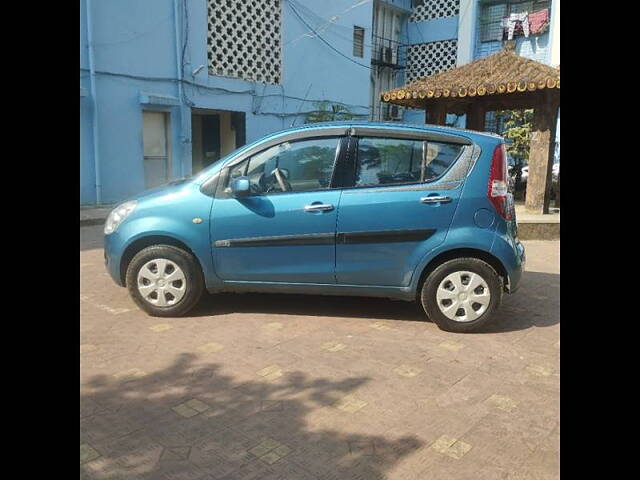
[
  {"x": 430, "y": 9},
  {"x": 492, "y": 13},
  {"x": 358, "y": 41},
  {"x": 430, "y": 58},
  {"x": 244, "y": 39}
]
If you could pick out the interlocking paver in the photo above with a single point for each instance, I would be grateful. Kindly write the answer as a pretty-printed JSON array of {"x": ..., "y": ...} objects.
[
  {"x": 305, "y": 387},
  {"x": 160, "y": 327},
  {"x": 502, "y": 402},
  {"x": 87, "y": 453},
  {"x": 333, "y": 346}
]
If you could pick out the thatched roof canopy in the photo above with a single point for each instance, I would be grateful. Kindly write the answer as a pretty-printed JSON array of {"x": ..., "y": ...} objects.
[{"x": 504, "y": 74}]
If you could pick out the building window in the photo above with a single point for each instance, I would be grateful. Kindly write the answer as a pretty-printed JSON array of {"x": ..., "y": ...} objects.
[
  {"x": 424, "y": 10},
  {"x": 358, "y": 41},
  {"x": 430, "y": 58},
  {"x": 155, "y": 140},
  {"x": 493, "y": 12},
  {"x": 244, "y": 39}
]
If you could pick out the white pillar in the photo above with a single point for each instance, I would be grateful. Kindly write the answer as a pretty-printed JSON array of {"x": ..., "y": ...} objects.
[
  {"x": 466, "y": 31},
  {"x": 554, "y": 33}
]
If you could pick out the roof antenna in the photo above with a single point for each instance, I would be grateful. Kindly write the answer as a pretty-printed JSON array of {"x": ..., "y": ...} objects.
[{"x": 300, "y": 108}]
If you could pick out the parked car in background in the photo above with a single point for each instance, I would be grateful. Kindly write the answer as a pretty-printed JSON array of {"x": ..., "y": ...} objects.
[
  {"x": 513, "y": 172},
  {"x": 554, "y": 177},
  {"x": 525, "y": 174},
  {"x": 554, "y": 172},
  {"x": 401, "y": 211}
]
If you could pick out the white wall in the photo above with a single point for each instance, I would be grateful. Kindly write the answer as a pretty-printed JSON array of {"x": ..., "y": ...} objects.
[
  {"x": 554, "y": 59},
  {"x": 466, "y": 31}
]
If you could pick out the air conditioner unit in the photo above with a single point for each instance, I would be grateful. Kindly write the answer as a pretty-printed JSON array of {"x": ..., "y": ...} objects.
[
  {"x": 386, "y": 55},
  {"x": 391, "y": 113},
  {"x": 395, "y": 112}
]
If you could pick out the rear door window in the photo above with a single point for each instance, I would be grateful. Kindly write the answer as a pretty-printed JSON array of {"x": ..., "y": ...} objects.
[{"x": 392, "y": 161}]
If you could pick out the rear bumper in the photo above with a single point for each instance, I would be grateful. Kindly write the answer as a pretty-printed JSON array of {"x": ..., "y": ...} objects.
[
  {"x": 511, "y": 254},
  {"x": 516, "y": 274}
]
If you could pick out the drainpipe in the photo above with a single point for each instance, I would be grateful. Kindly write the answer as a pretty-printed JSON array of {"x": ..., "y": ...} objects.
[
  {"x": 176, "y": 18},
  {"x": 92, "y": 86}
]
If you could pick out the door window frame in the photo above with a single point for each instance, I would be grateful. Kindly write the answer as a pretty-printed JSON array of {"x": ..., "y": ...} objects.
[
  {"x": 222, "y": 190},
  {"x": 352, "y": 162}
]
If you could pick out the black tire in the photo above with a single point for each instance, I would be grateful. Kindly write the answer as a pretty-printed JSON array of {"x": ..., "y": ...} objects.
[
  {"x": 429, "y": 288},
  {"x": 194, "y": 281}
]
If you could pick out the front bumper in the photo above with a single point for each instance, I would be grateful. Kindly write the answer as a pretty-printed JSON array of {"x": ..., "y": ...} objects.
[{"x": 112, "y": 260}]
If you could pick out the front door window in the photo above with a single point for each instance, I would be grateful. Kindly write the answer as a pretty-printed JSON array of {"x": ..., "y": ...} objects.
[{"x": 302, "y": 166}]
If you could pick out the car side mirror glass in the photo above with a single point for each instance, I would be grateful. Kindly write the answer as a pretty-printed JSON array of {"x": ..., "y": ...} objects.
[{"x": 240, "y": 187}]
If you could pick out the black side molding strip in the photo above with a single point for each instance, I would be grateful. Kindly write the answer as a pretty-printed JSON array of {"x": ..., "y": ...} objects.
[
  {"x": 279, "y": 241},
  {"x": 384, "y": 236},
  {"x": 381, "y": 236}
]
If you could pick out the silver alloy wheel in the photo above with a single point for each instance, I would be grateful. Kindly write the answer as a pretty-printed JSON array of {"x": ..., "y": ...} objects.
[
  {"x": 161, "y": 282},
  {"x": 463, "y": 296}
]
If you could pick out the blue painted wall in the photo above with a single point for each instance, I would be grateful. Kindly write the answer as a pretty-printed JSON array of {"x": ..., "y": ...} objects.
[
  {"x": 134, "y": 51},
  {"x": 433, "y": 30}
]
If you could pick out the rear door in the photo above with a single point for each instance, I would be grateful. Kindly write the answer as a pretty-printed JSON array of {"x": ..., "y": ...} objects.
[{"x": 399, "y": 207}]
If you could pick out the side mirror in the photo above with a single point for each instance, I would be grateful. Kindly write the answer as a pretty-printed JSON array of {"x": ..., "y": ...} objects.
[{"x": 240, "y": 187}]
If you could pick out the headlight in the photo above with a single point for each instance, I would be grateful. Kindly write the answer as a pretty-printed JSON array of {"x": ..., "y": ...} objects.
[{"x": 117, "y": 216}]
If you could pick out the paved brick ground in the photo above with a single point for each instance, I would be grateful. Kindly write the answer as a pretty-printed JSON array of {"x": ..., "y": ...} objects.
[{"x": 298, "y": 387}]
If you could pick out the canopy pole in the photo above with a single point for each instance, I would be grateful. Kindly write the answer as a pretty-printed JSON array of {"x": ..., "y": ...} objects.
[
  {"x": 475, "y": 117},
  {"x": 435, "y": 114},
  {"x": 541, "y": 152}
]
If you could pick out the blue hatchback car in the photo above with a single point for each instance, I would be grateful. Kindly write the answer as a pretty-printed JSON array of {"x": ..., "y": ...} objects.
[{"x": 417, "y": 213}]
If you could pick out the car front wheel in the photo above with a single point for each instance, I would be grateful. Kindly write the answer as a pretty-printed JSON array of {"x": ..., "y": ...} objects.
[
  {"x": 165, "y": 281},
  {"x": 461, "y": 294}
]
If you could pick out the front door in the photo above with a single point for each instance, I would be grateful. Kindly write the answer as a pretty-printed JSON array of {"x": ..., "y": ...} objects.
[
  {"x": 397, "y": 209},
  {"x": 285, "y": 230}
]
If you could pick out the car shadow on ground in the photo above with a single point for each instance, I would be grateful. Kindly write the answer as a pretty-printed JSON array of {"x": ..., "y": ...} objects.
[
  {"x": 535, "y": 304},
  {"x": 191, "y": 420}
]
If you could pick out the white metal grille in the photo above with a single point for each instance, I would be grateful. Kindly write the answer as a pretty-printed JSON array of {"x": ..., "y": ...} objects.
[
  {"x": 244, "y": 39},
  {"x": 431, "y": 9},
  {"x": 430, "y": 58}
]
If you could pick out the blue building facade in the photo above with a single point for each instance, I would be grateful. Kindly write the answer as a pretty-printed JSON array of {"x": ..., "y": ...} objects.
[{"x": 170, "y": 86}]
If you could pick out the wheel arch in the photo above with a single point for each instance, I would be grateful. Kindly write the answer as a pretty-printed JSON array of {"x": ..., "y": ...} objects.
[
  {"x": 141, "y": 243},
  {"x": 447, "y": 255}
]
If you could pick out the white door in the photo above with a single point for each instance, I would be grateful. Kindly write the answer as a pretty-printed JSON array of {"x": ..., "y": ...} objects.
[{"x": 156, "y": 148}]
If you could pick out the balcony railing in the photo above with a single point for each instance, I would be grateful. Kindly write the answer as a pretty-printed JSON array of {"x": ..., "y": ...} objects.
[{"x": 388, "y": 52}]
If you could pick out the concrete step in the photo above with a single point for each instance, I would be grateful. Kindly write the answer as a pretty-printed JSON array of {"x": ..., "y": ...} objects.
[
  {"x": 94, "y": 215},
  {"x": 537, "y": 226},
  {"x": 538, "y": 230}
]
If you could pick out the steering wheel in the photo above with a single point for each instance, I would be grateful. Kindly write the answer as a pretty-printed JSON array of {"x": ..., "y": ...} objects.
[{"x": 284, "y": 184}]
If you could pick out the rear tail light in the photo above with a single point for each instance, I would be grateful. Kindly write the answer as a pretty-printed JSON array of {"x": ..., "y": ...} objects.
[{"x": 498, "y": 188}]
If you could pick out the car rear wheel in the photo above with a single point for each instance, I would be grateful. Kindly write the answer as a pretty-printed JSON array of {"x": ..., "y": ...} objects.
[
  {"x": 461, "y": 295},
  {"x": 165, "y": 281}
]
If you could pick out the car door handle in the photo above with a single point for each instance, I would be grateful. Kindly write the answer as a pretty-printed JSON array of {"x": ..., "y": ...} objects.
[
  {"x": 435, "y": 199},
  {"x": 318, "y": 207}
]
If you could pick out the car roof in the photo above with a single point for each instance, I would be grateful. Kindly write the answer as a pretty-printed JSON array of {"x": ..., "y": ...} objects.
[{"x": 395, "y": 126}]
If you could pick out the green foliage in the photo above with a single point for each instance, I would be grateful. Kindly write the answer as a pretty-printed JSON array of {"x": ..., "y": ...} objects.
[
  {"x": 517, "y": 127},
  {"x": 328, "y": 113}
]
